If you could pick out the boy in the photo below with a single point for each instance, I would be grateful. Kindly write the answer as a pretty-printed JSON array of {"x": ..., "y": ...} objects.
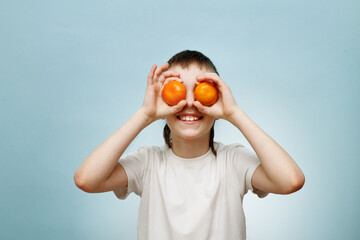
[{"x": 193, "y": 187}]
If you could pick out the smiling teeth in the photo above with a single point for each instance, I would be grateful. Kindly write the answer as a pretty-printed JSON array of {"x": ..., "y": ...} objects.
[{"x": 188, "y": 118}]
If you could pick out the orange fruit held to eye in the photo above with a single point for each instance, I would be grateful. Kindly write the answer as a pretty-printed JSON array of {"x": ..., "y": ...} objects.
[
  {"x": 173, "y": 92},
  {"x": 206, "y": 93}
]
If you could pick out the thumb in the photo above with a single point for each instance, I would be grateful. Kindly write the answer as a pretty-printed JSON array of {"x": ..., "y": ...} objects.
[
  {"x": 202, "y": 108},
  {"x": 178, "y": 107}
]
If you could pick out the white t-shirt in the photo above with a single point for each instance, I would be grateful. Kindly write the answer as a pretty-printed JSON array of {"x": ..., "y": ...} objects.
[{"x": 198, "y": 198}]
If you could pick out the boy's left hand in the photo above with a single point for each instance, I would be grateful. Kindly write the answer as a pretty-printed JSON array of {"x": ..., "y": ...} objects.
[{"x": 225, "y": 106}]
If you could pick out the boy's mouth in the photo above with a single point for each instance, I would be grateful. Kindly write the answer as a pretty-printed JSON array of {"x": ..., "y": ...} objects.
[{"x": 189, "y": 117}]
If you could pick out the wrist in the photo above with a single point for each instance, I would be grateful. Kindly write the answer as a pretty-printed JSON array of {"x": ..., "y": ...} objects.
[
  {"x": 146, "y": 118},
  {"x": 237, "y": 114}
]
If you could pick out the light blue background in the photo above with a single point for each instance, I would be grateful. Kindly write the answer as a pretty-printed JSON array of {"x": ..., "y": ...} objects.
[{"x": 72, "y": 72}]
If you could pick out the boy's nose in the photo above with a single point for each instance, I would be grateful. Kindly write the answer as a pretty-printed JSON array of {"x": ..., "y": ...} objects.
[{"x": 190, "y": 98}]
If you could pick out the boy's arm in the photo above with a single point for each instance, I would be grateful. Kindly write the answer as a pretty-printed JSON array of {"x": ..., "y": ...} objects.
[
  {"x": 98, "y": 166},
  {"x": 278, "y": 172},
  {"x": 100, "y": 171}
]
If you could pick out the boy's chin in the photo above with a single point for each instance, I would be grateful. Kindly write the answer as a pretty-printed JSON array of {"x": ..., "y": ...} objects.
[{"x": 191, "y": 134}]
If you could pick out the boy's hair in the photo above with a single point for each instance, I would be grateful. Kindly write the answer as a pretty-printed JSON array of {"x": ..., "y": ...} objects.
[
  {"x": 184, "y": 59},
  {"x": 187, "y": 57}
]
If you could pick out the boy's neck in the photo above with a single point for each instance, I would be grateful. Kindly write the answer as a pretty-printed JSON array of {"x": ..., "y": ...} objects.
[{"x": 190, "y": 148}]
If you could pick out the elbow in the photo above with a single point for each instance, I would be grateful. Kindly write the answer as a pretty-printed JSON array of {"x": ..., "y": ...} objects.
[
  {"x": 82, "y": 184},
  {"x": 296, "y": 184},
  {"x": 79, "y": 181}
]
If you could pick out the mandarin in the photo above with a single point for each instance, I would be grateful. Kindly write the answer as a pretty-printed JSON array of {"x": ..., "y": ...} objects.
[
  {"x": 173, "y": 92},
  {"x": 206, "y": 93}
]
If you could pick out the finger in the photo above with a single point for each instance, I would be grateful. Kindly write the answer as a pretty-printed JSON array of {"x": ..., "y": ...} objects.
[
  {"x": 161, "y": 78},
  {"x": 213, "y": 77},
  {"x": 168, "y": 74},
  {"x": 171, "y": 73},
  {"x": 208, "y": 76},
  {"x": 151, "y": 74},
  {"x": 164, "y": 80},
  {"x": 169, "y": 79},
  {"x": 160, "y": 69},
  {"x": 178, "y": 107},
  {"x": 201, "y": 108}
]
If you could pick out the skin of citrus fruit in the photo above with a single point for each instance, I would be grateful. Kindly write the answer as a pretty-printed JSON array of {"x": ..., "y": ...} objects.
[
  {"x": 173, "y": 92},
  {"x": 206, "y": 93}
]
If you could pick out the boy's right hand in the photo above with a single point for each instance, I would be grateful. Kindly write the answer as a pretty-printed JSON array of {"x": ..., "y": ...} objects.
[{"x": 154, "y": 106}]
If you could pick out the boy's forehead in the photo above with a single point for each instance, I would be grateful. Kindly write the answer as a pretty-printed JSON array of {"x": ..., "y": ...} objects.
[{"x": 191, "y": 69}]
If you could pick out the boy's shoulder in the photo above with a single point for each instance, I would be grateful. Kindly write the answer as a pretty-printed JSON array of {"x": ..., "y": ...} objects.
[
  {"x": 220, "y": 147},
  {"x": 152, "y": 149}
]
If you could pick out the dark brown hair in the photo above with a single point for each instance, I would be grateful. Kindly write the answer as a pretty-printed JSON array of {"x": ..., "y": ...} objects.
[{"x": 185, "y": 59}]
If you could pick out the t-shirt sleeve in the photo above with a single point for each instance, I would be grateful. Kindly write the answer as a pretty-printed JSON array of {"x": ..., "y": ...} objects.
[
  {"x": 245, "y": 163},
  {"x": 134, "y": 165}
]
